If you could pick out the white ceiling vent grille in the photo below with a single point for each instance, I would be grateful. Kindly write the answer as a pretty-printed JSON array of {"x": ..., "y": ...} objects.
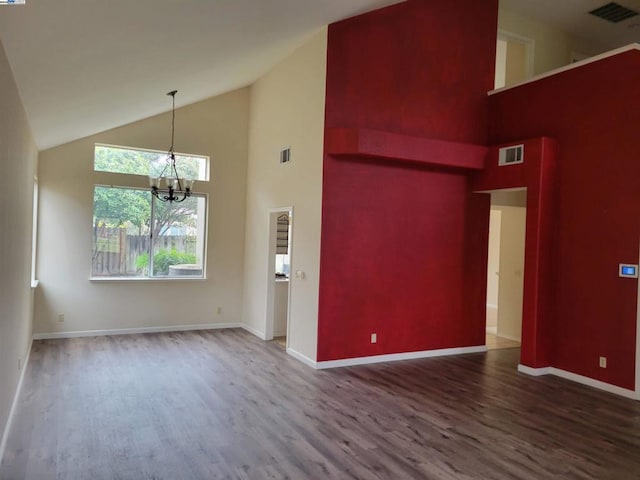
[
  {"x": 511, "y": 155},
  {"x": 285, "y": 155},
  {"x": 612, "y": 12}
]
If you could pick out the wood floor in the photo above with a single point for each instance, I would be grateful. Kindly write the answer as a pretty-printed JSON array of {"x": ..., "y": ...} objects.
[
  {"x": 225, "y": 405},
  {"x": 495, "y": 342}
]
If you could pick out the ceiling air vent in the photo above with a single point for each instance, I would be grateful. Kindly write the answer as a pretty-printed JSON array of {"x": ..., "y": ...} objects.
[
  {"x": 612, "y": 12},
  {"x": 511, "y": 155},
  {"x": 285, "y": 155}
]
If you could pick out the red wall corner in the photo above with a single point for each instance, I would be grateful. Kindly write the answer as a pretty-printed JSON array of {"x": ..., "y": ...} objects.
[{"x": 593, "y": 312}]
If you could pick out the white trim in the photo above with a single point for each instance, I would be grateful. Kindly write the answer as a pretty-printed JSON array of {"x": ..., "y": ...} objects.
[
  {"x": 492, "y": 306},
  {"x": 303, "y": 358},
  {"x": 534, "y": 372},
  {"x": 594, "y": 383},
  {"x": 149, "y": 279},
  {"x": 129, "y": 331},
  {"x": 611, "y": 53},
  {"x": 34, "y": 231},
  {"x": 574, "y": 377},
  {"x": 14, "y": 404},
  {"x": 253, "y": 331},
  {"x": 394, "y": 357}
]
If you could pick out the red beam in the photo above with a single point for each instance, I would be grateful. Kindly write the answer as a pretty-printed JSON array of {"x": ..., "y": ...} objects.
[{"x": 363, "y": 142}]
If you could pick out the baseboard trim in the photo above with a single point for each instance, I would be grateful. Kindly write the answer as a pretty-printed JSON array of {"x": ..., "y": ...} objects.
[
  {"x": 394, "y": 357},
  {"x": 130, "y": 331},
  {"x": 574, "y": 377},
  {"x": 594, "y": 383},
  {"x": 14, "y": 404},
  {"x": 534, "y": 372},
  {"x": 303, "y": 358},
  {"x": 253, "y": 331}
]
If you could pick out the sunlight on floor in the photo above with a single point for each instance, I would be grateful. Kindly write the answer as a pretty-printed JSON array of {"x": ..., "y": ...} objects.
[{"x": 494, "y": 342}]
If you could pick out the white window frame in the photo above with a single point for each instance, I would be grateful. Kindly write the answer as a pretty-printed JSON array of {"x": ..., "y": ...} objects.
[
  {"x": 134, "y": 181},
  {"x": 34, "y": 233}
]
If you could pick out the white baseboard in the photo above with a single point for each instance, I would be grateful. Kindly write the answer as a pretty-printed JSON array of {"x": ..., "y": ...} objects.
[
  {"x": 595, "y": 383},
  {"x": 394, "y": 357},
  {"x": 129, "y": 331},
  {"x": 574, "y": 377},
  {"x": 253, "y": 331},
  {"x": 14, "y": 404},
  {"x": 534, "y": 372},
  {"x": 303, "y": 358}
]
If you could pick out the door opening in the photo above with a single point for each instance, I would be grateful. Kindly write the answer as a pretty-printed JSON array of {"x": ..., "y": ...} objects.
[
  {"x": 278, "y": 284},
  {"x": 505, "y": 269},
  {"x": 514, "y": 59}
]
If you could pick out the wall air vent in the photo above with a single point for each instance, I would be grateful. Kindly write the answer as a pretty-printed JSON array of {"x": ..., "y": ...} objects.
[
  {"x": 511, "y": 155},
  {"x": 612, "y": 12},
  {"x": 285, "y": 155}
]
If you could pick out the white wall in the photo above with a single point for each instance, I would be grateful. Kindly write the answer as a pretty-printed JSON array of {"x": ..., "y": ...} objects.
[
  {"x": 18, "y": 162},
  {"x": 511, "y": 278},
  {"x": 553, "y": 46},
  {"x": 287, "y": 109},
  {"x": 217, "y": 127},
  {"x": 493, "y": 268}
]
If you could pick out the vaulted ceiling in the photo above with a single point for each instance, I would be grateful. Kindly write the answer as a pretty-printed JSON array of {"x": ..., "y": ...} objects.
[{"x": 84, "y": 66}]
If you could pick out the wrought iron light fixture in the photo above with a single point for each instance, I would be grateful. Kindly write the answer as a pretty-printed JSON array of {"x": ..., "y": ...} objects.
[{"x": 176, "y": 189}]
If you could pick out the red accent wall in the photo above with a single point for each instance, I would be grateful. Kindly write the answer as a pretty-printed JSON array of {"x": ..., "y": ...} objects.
[
  {"x": 594, "y": 114},
  {"x": 404, "y": 246}
]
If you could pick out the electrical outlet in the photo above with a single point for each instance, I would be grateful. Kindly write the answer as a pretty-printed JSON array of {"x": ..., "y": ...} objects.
[
  {"x": 61, "y": 318},
  {"x": 374, "y": 337},
  {"x": 603, "y": 362},
  {"x": 219, "y": 310}
]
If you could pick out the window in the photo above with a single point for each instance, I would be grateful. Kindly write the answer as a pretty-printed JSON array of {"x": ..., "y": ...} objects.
[
  {"x": 137, "y": 236},
  {"x": 282, "y": 246},
  {"x": 109, "y": 158},
  {"x": 34, "y": 232}
]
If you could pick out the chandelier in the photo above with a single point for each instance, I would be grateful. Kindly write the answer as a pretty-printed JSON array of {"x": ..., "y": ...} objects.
[{"x": 175, "y": 189}]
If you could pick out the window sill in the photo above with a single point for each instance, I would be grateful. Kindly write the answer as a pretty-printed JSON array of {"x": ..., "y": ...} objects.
[{"x": 157, "y": 279}]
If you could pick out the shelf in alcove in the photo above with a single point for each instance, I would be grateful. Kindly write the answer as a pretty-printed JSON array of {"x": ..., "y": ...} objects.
[{"x": 394, "y": 147}]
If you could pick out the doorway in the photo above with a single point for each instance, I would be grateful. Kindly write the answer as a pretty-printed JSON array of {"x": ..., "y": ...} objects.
[
  {"x": 505, "y": 269},
  {"x": 514, "y": 59},
  {"x": 278, "y": 281}
]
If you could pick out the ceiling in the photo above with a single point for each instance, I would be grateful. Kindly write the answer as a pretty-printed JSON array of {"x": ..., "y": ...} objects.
[{"x": 84, "y": 66}]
